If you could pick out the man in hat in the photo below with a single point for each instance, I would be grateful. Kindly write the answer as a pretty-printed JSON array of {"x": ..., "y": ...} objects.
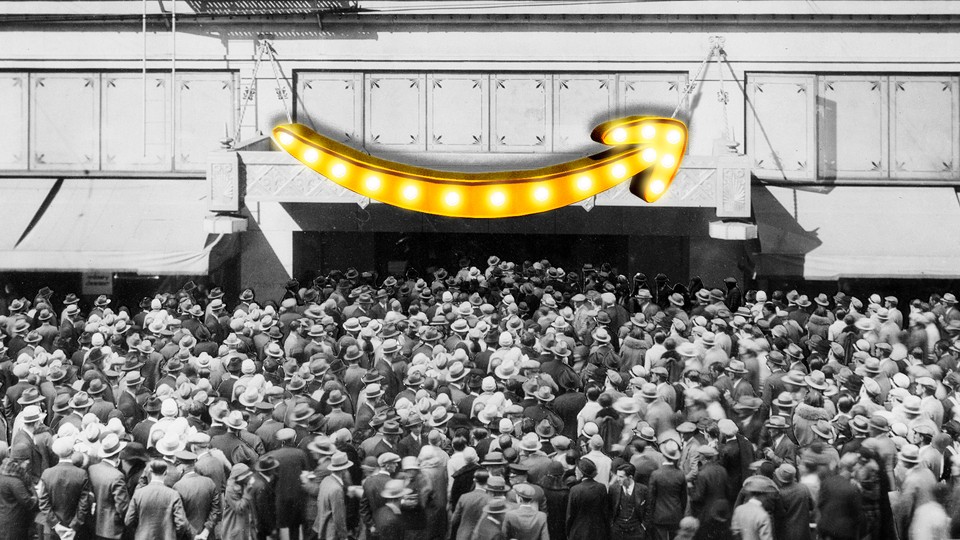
[
  {"x": 210, "y": 462},
  {"x": 37, "y": 440},
  {"x": 387, "y": 520},
  {"x": 733, "y": 383},
  {"x": 839, "y": 504},
  {"x": 263, "y": 488},
  {"x": 64, "y": 493},
  {"x": 109, "y": 490},
  {"x": 238, "y": 444},
  {"x": 156, "y": 511},
  {"x": 916, "y": 487},
  {"x": 781, "y": 449},
  {"x": 200, "y": 496},
  {"x": 668, "y": 495},
  {"x": 525, "y": 522},
  {"x": 469, "y": 507},
  {"x": 331, "y": 522},
  {"x": 710, "y": 486},
  {"x": 291, "y": 461},
  {"x": 543, "y": 410},
  {"x": 373, "y": 487},
  {"x": 18, "y": 503},
  {"x": 490, "y": 526},
  {"x": 588, "y": 514},
  {"x": 796, "y": 505}
]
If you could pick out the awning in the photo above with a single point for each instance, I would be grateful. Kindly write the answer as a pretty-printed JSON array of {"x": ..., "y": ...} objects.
[
  {"x": 866, "y": 232},
  {"x": 120, "y": 225}
]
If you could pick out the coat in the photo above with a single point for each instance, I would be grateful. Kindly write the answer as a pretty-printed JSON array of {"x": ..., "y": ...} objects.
[
  {"x": 640, "y": 501},
  {"x": 710, "y": 487},
  {"x": 489, "y": 528},
  {"x": 839, "y": 504},
  {"x": 239, "y": 515},
  {"x": 331, "y": 523},
  {"x": 201, "y": 501},
  {"x": 668, "y": 497},
  {"x": 794, "y": 512},
  {"x": 525, "y": 523},
  {"x": 64, "y": 495},
  {"x": 751, "y": 522},
  {"x": 156, "y": 513},
  {"x": 110, "y": 496},
  {"x": 467, "y": 513},
  {"x": 388, "y": 523},
  {"x": 17, "y": 507},
  {"x": 288, "y": 491},
  {"x": 588, "y": 516}
]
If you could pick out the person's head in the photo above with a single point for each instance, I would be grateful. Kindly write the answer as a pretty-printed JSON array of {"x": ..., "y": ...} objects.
[
  {"x": 586, "y": 468},
  {"x": 626, "y": 474},
  {"x": 157, "y": 469}
]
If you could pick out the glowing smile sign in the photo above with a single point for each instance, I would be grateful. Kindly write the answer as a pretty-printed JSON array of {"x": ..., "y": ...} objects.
[{"x": 646, "y": 150}]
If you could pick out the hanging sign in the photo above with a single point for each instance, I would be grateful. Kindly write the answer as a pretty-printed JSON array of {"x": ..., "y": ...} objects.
[
  {"x": 96, "y": 283},
  {"x": 646, "y": 150}
]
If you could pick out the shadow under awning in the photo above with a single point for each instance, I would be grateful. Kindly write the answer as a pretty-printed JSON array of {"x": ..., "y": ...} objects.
[
  {"x": 858, "y": 232},
  {"x": 121, "y": 225}
]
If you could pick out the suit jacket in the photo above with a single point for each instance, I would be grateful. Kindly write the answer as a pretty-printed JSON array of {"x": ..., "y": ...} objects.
[
  {"x": 525, "y": 523},
  {"x": 371, "y": 501},
  {"x": 110, "y": 496},
  {"x": 794, "y": 512},
  {"x": 331, "y": 521},
  {"x": 615, "y": 494},
  {"x": 588, "y": 515},
  {"x": 488, "y": 528},
  {"x": 839, "y": 503},
  {"x": 201, "y": 501},
  {"x": 17, "y": 508},
  {"x": 668, "y": 496},
  {"x": 709, "y": 488},
  {"x": 467, "y": 513},
  {"x": 288, "y": 491},
  {"x": 65, "y": 495},
  {"x": 156, "y": 513},
  {"x": 39, "y": 450},
  {"x": 388, "y": 523}
]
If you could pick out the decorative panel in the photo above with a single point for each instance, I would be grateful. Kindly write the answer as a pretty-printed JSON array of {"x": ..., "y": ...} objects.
[
  {"x": 205, "y": 116},
  {"x": 136, "y": 131},
  {"x": 580, "y": 102},
  {"x": 650, "y": 93},
  {"x": 924, "y": 127},
  {"x": 521, "y": 113},
  {"x": 332, "y": 104},
  {"x": 457, "y": 112},
  {"x": 395, "y": 111},
  {"x": 781, "y": 126},
  {"x": 852, "y": 128},
  {"x": 14, "y": 92},
  {"x": 65, "y": 121},
  {"x": 272, "y": 104}
]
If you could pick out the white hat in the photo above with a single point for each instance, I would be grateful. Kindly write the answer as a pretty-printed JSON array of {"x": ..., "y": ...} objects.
[
  {"x": 506, "y": 425},
  {"x": 488, "y": 384},
  {"x": 761, "y": 296},
  {"x": 447, "y": 297},
  {"x": 169, "y": 408}
]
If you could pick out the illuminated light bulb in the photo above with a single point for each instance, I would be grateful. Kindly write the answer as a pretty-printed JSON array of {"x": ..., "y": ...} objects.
[
  {"x": 286, "y": 139},
  {"x": 668, "y": 161},
  {"x": 618, "y": 171},
  {"x": 649, "y": 155},
  {"x": 452, "y": 198},
  {"x": 338, "y": 170},
  {"x": 657, "y": 187},
  {"x": 584, "y": 183},
  {"x": 648, "y": 131},
  {"x": 541, "y": 194},
  {"x": 410, "y": 193},
  {"x": 674, "y": 136},
  {"x": 498, "y": 198},
  {"x": 619, "y": 135},
  {"x": 373, "y": 183},
  {"x": 310, "y": 155}
]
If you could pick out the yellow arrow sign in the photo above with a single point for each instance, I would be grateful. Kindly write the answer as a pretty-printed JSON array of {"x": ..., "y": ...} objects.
[{"x": 647, "y": 150}]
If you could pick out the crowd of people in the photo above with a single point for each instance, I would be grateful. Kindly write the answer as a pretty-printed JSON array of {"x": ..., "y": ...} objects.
[{"x": 498, "y": 401}]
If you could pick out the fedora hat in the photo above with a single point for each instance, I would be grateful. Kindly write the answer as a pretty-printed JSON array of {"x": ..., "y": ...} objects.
[
  {"x": 865, "y": 324},
  {"x": 493, "y": 459},
  {"x": 440, "y": 417},
  {"x": 816, "y": 380},
  {"x": 545, "y": 394},
  {"x": 860, "y": 424},
  {"x": 339, "y": 462},
  {"x": 910, "y": 453},
  {"x": 647, "y": 433},
  {"x": 786, "y": 473},
  {"x": 111, "y": 445},
  {"x": 102, "y": 301},
  {"x": 152, "y": 405},
  {"x": 822, "y": 300},
  {"x": 736, "y": 366},
  {"x": 670, "y": 450},
  {"x": 600, "y": 334},
  {"x": 748, "y": 403},
  {"x": 676, "y": 299},
  {"x": 496, "y": 484},
  {"x": 30, "y": 396},
  {"x": 267, "y": 464},
  {"x": 32, "y": 414},
  {"x": 794, "y": 377},
  {"x": 71, "y": 298},
  {"x": 392, "y": 427},
  {"x": 96, "y": 387},
  {"x": 373, "y": 391},
  {"x": 336, "y": 397},
  {"x": 785, "y": 401},
  {"x": 62, "y": 403},
  {"x": 234, "y": 420},
  {"x": 823, "y": 429},
  {"x": 626, "y": 405},
  {"x": 776, "y": 422},
  {"x": 395, "y": 489}
]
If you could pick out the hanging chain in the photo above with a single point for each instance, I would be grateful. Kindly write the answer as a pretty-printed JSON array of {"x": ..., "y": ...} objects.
[
  {"x": 277, "y": 75},
  {"x": 722, "y": 95},
  {"x": 716, "y": 47},
  {"x": 249, "y": 92}
]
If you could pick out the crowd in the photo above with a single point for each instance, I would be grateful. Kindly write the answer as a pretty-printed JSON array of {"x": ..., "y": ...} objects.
[{"x": 505, "y": 401}]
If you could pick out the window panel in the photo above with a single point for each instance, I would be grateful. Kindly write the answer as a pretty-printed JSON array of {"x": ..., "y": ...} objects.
[
  {"x": 781, "y": 126},
  {"x": 457, "y": 112},
  {"x": 13, "y": 117},
  {"x": 650, "y": 94},
  {"x": 65, "y": 121},
  {"x": 521, "y": 113},
  {"x": 124, "y": 146},
  {"x": 332, "y": 104},
  {"x": 852, "y": 127},
  {"x": 395, "y": 111},
  {"x": 924, "y": 127},
  {"x": 580, "y": 103},
  {"x": 205, "y": 116}
]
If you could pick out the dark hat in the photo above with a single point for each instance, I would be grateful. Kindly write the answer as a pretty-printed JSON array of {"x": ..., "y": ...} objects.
[{"x": 266, "y": 463}]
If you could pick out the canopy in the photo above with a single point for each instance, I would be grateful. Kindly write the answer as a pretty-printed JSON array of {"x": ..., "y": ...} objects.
[
  {"x": 148, "y": 226},
  {"x": 858, "y": 232}
]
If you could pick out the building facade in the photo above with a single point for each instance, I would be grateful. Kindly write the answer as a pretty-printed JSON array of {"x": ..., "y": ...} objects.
[{"x": 824, "y": 137}]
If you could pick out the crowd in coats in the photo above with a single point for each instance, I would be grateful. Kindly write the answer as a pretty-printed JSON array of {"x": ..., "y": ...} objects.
[{"x": 497, "y": 401}]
